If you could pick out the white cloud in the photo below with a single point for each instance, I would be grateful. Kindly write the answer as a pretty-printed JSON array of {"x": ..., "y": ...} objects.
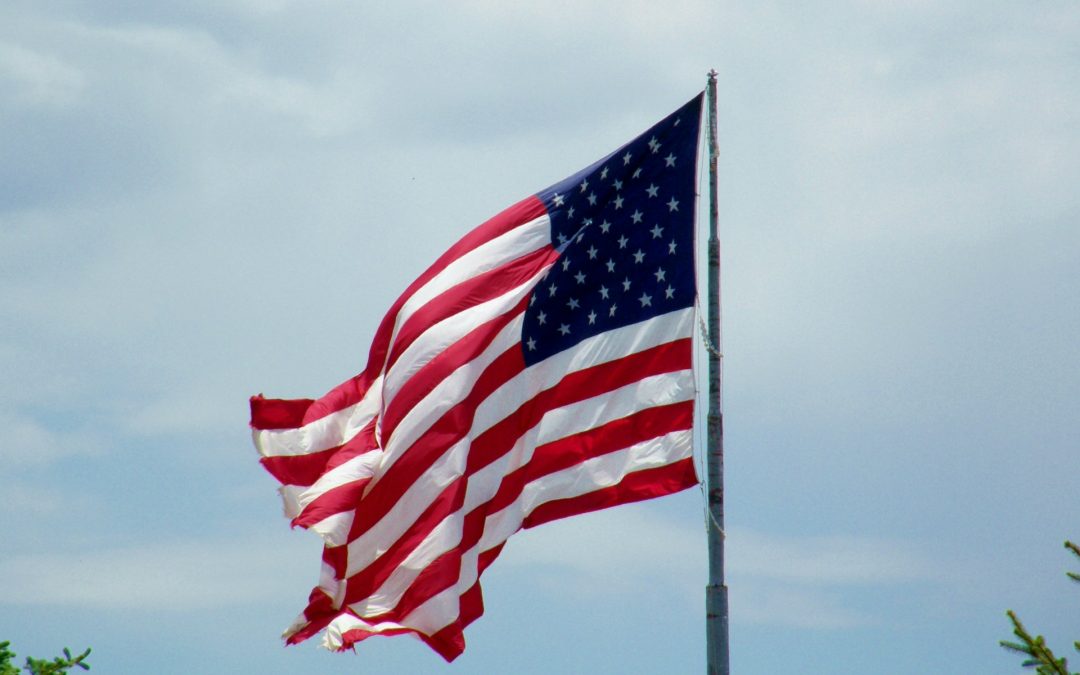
[
  {"x": 36, "y": 78},
  {"x": 800, "y": 581},
  {"x": 794, "y": 606},
  {"x": 586, "y": 549},
  {"x": 185, "y": 575},
  {"x": 837, "y": 560},
  {"x": 28, "y": 443}
]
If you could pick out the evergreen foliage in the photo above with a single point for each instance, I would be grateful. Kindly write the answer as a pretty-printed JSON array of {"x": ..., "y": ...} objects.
[
  {"x": 1040, "y": 656},
  {"x": 57, "y": 666}
]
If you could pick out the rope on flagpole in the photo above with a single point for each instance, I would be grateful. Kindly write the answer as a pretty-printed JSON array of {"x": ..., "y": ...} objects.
[{"x": 706, "y": 339}]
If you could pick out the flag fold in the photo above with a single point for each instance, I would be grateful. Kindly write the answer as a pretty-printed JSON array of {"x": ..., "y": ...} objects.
[{"x": 540, "y": 368}]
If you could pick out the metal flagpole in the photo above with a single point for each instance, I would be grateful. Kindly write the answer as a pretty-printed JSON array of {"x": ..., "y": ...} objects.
[{"x": 716, "y": 594}]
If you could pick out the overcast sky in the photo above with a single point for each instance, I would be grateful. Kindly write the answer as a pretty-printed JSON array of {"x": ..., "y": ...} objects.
[{"x": 206, "y": 200}]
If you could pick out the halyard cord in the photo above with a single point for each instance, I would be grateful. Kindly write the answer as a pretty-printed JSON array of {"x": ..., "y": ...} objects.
[{"x": 707, "y": 341}]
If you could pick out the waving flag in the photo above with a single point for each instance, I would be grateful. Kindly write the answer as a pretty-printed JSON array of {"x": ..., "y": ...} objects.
[{"x": 539, "y": 369}]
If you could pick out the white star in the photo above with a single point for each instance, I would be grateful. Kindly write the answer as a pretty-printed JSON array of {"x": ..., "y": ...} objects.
[
  {"x": 541, "y": 318},
  {"x": 652, "y": 190},
  {"x": 618, "y": 202},
  {"x": 669, "y": 292},
  {"x": 639, "y": 256},
  {"x": 636, "y": 216},
  {"x": 645, "y": 300},
  {"x": 551, "y": 289},
  {"x": 570, "y": 212},
  {"x": 603, "y": 174},
  {"x": 564, "y": 329},
  {"x": 592, "y": 199},
  {"x": 532, "y": 300},
  {"x": 637, "y": 173},
  {"x": 673, "y": 205},
  {"x": 626, "y": 284},
  {"x": 677, "y": 120},
  {"x": 587, "y": 222},
  {"x": 671, "y": 247},
  {"x": 532, "y": 345},
  {"x": 580, "y": 237},
  {"x": 592, "y": 252},
  {"x": 580, "y": 276},
  {"x": 557, "y": 198},
  {"x": 592, "y": 318},
  {"x": 604, "y": 292},
  {"x": 611, "y": 312},
  {"x": 605, "y": 226},
  {"x": 562, "y": 239},
  {"x": 656, "y": 231},
  {"x": 573, "y": 303},
  {"x": 565, "y": 264},
  {"x": 585, "y": 185},
  {"x": 654, "y": 145},
  {"x": 617, "y": 184},
  {"x": 670, "y": 159},
  {"x": 610, "y": 265},
  {"x": 626, "y": 158},
  {"x": 622, "y": 241},
  {"x": 660, "y": 274}
]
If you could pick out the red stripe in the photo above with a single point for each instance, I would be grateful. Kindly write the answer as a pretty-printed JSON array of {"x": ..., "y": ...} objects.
[
  {"x": 644, "y": 425},
  {"x": 439, "y": 368},
  {"x": 319, "y": 613},
  {"x": 284, "y": 414},
  {"x": 577, "y": 386},
  {"x": 449, "y": 429},
  {"x": 470, "y": 293},
  {"x": 335, "y": 500},
  {"x": 440, "y": 574},
  {"x": 450, "y": 641},
  {"x": 304, "y": 470},
  {"x": 636, "y": 486},
  {"x": 611, "y": 437},
  {"x": 572, "y": 450},
  {"x": 276, "y": 413},
  {"x": 352, "y": 636},
  {"x": 367, "y": 581},
  {"x": 498, "y": 440},
  {"x": 336, "y": 558}
]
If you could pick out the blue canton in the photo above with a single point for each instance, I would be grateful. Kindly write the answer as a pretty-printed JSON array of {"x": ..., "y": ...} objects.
[{"x": 624, "y": 229}]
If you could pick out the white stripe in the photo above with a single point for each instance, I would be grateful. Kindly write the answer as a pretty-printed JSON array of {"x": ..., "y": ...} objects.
[
  {"x": 324, "y": 433},
  {"x": 505, "y": 248},
  {"x": 448, "y": 393},
  {"x": 577, "y": 417},
  {"x": 607, "y": 470},
  {"x": 338, "y": 427},
  {"x": 610, "y": 346},
  {"x": 592, "y": 474},
  {"x": 357, "y": 468},
  {"x": 438, "y": 336},
  {"x": 334, "y": 529},
  {"x": 507, "y": 399},
  {"x": 443, "y": 608},
  {"x": 332, "y": 639},
  {"x": 444, "y": 537},
  {"x": 650, "y": 392},
  {"x": 366, "y": 548}
]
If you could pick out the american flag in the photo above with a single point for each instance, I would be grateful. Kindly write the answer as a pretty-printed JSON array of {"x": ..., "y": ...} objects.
[{"x": 541, "y": 368}]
